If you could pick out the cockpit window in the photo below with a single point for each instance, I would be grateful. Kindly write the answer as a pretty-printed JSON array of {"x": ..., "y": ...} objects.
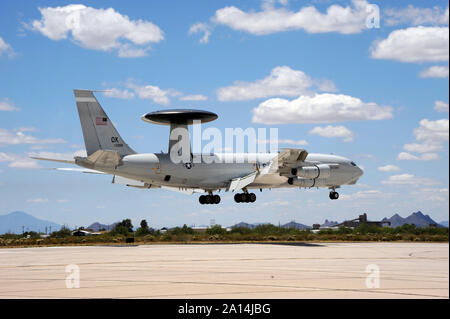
[{"x": 353, "y": 163}]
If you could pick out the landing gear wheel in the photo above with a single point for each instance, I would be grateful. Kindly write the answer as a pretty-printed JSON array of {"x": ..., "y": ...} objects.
[
  {"x": 334, "y": 195},
  {"x": 208, "y": 199},
  {"x": 216, "y": 199},
  {"x": 252, "y": 197},
  {"x": 290, "y": 181},
  {"x": 201, "y": 199},
  {"x": 237, "y": 198}
]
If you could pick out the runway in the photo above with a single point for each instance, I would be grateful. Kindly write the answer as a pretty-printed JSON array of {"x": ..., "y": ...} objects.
[{"x": 310, "y": 270}]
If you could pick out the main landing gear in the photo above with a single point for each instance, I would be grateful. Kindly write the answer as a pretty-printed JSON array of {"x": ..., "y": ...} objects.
[
  {"x": 245, "y": 198},
  {"x": 209, "y": 199},
  {"x": 334, "y": 195}
]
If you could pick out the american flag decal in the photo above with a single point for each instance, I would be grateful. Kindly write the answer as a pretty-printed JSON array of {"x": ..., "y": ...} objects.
[{"x": 101, "y": 120}]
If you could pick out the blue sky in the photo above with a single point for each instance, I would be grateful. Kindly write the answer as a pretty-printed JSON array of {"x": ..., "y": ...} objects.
[{"x": 293, "y": 65}]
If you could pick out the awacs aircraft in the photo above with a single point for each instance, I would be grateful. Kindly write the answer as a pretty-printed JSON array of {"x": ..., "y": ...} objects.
[{"x": 200, "y": 173}]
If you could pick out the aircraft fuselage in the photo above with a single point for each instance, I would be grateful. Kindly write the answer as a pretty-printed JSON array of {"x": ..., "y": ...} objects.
[{"x": 214, "y": 171}]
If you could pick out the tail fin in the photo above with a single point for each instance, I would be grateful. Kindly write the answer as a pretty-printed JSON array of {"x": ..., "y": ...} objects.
[{"x": 98, "y": 131}]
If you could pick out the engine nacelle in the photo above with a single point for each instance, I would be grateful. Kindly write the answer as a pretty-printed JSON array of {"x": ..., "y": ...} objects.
[
  {"x": 307, "y": 182},
  {"x": 314, "y": 171},
  {"x": 301, "y": 182}
]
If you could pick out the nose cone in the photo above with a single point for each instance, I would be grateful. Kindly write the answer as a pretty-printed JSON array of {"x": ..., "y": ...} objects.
[{"x": 359, "y": 172}]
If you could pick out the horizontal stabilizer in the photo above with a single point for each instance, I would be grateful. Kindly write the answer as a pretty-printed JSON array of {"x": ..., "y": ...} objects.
[
  {"x": 52, "y": 160},
  {"x": 101, "y": 158}
]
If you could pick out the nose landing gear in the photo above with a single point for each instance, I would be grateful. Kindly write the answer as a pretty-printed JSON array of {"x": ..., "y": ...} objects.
[{"x": 334, "y": 195}]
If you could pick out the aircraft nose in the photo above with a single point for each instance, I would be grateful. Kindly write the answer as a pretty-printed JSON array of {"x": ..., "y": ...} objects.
[{"x": 359, "y": 171}]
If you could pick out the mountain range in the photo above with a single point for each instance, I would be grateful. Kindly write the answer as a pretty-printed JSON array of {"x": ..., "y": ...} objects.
[
  {"x": 417, "y": 218},
  {"x": 291, "y": 224},
  {"x": 16, "y": 222},
  {"x": 98, "y": 227}
]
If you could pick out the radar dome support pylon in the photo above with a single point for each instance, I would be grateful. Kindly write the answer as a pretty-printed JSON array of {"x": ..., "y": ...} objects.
[{"x": 179, "y": 120}]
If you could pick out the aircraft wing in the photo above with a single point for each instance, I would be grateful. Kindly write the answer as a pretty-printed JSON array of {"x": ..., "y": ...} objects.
[
  {"x": 289, "y": 159},
  {"x": 240, "y": 182}
]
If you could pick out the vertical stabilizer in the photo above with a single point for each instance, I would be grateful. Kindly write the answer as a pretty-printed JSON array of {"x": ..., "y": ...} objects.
[{"x": 98, "y": 131}]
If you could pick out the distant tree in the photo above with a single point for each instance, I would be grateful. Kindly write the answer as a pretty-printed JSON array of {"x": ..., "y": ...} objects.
[
  {"x": 216, "y": 230},
  {"x": 144, "y": 229},
  {"x": 144, "y": 224},
  {"x": 127, "y": 224},
  {"x": 241, "y": 230},
  {"x": 182, "y": 230},
  {"x": 63, "y": 232},
  {"x": 120, "y": 230},
  {"x": 123, "y": 228}
]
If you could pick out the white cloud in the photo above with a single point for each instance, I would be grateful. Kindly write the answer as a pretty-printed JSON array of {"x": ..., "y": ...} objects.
[
  {"x": 193, "y": 97},
  {"x": 201, "y": 28},
  {"x": 319, "y": 108},
  {"x": 423, "y": 148},
  {"x": 388, "y": 168},
  {"x": 416, "y": 16},
  {"x": 7, "y": 105},
  {"x": 18, "y": 161},
  {"x": 409, "y": 180},
  {"x": 430, "y": 136},
  {"x": 345, "y": 20},
  {"x": 8, "y": 137},
  {"x": 282, "y": 81},
  {"x": 441, "y": 106},
  {"x": 38, "y": 200},
  {"x": 403, "y": 156},
  {"x": 415, "y": 44},
  {"x": 432, "y": 131},
  {"x": 60, "y": 156},
  {"x": 333, "y": 131},
  {"x": 120, "y": 94},
  {"x": 24, "y": 161},
  {"x": 150, "y": 92},
  {"x": 6, "y": 49},
  {"x": 435, "y": 71},
  {"x": 98, "y": 29},
  {"x": 154, "y": 93}
]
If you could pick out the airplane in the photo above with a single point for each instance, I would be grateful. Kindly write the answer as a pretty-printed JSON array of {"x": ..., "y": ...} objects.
[{"x": 108, "y": 153}]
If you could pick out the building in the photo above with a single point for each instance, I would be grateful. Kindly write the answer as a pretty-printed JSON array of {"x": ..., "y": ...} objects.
[{"x": 362, "y": 219}]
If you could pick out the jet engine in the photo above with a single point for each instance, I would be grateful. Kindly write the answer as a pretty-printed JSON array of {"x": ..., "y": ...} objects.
[{"x": 314, "y": 171}]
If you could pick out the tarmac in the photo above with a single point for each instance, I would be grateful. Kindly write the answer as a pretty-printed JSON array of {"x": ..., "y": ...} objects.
[{"x": 298, "y": 270}]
